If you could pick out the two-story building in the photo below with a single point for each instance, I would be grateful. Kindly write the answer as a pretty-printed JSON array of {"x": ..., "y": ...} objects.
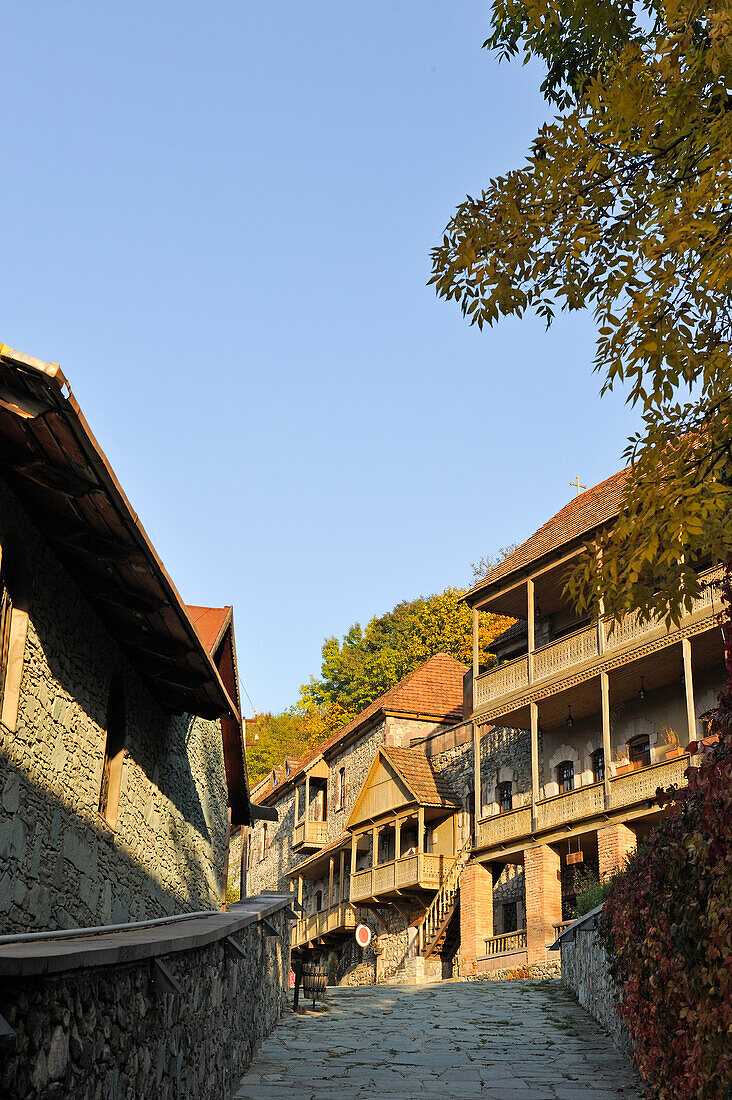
[
  {"x": 606, "y": 709},
  {"x": 121, "y": 752}
]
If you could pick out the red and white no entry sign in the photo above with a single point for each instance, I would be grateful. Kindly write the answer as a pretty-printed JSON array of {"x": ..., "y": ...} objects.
[{"x": 363, "y": 935}]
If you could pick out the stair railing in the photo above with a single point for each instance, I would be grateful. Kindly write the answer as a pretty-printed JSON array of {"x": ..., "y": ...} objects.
[{"x": 443, "y": 900}]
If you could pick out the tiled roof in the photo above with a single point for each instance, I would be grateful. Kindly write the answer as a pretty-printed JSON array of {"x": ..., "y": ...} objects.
[
  {"x": 334, "y": 846},
  {"x": 515, "y": 630},
  {"x": 209, "y": 622},
  {"x": 587, "y": 511},
  {"x": 429, "y": 788},
  {"x": 434, "y": 689}
]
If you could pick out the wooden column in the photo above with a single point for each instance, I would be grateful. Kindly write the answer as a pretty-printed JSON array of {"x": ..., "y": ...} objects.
[
  {"x": 476, "y": 646},
  {"x": 307, "y": 798},
  {"x": 374, "y": 846},
  {"x": 530, "y": 633},
  {"x": 689, "y": 689},
  {"x": 398, "y": 838},
  {"x": 330, "y": 883},
  {"x": 341, "y": 880},
  {"x": 297, "y": 803},
  {"x": 534, "y": 712},
  {"x": 227, "y": 853},
  {"x": 420, "y": 830},
  {"x": 243, "y": 862},
  {"x": 600, "y": 626},
  {"x": 477, "y": 782},
  {"x": 606, "y": 744},
  {"x": 354, "y": 856},
  {"x": 299, "y": 892}
]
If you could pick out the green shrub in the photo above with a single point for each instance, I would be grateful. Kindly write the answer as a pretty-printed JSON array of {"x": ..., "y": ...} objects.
[{"x": 590, "y": 892}]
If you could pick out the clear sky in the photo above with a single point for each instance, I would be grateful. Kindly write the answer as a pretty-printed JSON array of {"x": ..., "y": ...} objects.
[{"x": 217, "y": 217}]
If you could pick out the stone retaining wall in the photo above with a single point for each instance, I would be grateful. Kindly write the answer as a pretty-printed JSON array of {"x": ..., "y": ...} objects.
[
  {"x": 105, "y": 1032},
  {"x": 586, "y": 972}
]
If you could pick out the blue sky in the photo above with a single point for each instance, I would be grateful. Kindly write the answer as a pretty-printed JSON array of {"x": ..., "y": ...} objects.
[{"x": 218, "y": 219}]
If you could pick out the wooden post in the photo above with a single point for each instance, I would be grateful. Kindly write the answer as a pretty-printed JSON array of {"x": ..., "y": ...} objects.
[
  {"x": 530, "y": 632},
  {"x": 689, "y": 689},
  {"x": 398, "y": 838},
  {"x": 477, "y": 783},
  {"x": 227, "y": 853},
  {"x": 330, "y": 883},
  {"x": 341, "y": 892},
  {"x": 299, "y": 894},
  {"x": 601, "y": 626},
  {"x": 374, "y": 846},
  {"x": 297, "y": 803},
  {"x": 606, "y": 744},
  {"x": 243, "y": 862},
  {"x": 476, "y": 646},
  {"x": 307, "y": 802},
  {"x": 534, "y": 712},
  {"x": 420, "y": 830}
]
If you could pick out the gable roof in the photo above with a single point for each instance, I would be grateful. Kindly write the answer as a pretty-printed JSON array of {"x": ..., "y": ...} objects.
[
  {"x": 410, "y": 779},
  {"x": 428, "y": 787},
  {"x": 591, "y": 509},
  {"x": 434, "y": 690},
  {"x": 59, "y": 473},
  {"x": 210, "y": 622}
]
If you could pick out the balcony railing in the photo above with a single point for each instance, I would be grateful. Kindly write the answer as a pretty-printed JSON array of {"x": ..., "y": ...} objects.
[
  {"x": 576, "y": 649},
  {"x": 505, "y": 944},
  {"x": 311, "y": 834},
  {"x": 339, "y": 918},
  {"x": 422, "y": 870},
  {"x": 586, "y": 802}
]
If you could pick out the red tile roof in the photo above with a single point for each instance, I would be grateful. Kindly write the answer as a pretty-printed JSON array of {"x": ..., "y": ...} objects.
[
  {"x": 209, "y": 622},
  {"x": 429, "y": 788},
  {"x": 435, "y": 689},
  {"x": 589, "y": 510}
]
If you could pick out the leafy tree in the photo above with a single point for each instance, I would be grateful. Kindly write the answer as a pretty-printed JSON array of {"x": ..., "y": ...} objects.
[
  {"x": 624, "y": 206},
  {"x": 367, "y": 662}
]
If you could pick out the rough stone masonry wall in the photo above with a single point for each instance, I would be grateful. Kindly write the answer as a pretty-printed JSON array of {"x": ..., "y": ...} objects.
[
  {"x": 60, "y": 864},
  {"x": 106, "y": 1033},
  {"x": 586, "y": 972}
]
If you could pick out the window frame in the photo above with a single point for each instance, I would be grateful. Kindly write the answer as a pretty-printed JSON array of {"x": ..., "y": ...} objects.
[{"x": 566, "y": 767}]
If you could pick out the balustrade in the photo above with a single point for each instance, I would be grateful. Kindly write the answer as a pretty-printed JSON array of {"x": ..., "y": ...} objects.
[
  {"x": 420, "y": 870},
  {"x": 581, "y": 646},
  {"x": 313, "y": 833},
  {"x": 340, "y": 917},
  {"x": 505, "y": 944}
]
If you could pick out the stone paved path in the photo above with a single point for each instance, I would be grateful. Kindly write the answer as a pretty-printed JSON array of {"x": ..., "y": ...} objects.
[{"x": 506, "y": 1040}]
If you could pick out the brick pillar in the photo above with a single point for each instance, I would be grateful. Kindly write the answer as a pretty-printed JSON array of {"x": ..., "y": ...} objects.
[
  {"x": 614, "y": 844},
  {"x": 476, "y": 914},
  {"x": 543, "y": 886}
]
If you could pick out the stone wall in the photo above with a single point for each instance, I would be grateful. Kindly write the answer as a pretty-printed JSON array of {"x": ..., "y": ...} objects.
[
  {"x": 61, "y": 865},
  {"x": 585, "y": 971},
  {"x": 106, "y": 1031}
]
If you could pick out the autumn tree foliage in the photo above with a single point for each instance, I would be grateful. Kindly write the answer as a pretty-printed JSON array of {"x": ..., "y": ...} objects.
[
  {"x": 364, "y": 664},
  {"x": 624, "y": 206},
  {"x": 368, "y": 661},
  {"x": 667, "y": 925}
]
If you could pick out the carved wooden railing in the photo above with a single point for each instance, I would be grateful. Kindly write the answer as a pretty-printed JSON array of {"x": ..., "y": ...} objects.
[
  {"x": 314, "y": 833},
  {"x": 421, "y": 869},
  {"x": 585, "y": 802},
  {"x": 439, "y": 909},
  {"x": 581, "y": 646},
  {"x": 340, "y": 917},
  {"x": 505, "y": 944}
]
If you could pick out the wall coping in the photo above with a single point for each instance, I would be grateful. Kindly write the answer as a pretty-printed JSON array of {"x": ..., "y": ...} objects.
[
  {"x": 41, "y": 953},
  {"x": 585, "y": 923}
]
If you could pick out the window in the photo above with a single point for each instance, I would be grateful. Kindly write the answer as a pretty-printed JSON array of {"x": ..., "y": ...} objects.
[
  {"x": 598, "y": 766},
  {"x": 114, "y": 755},
  {"x": 318, "y": 900},
  {"x": 341, "y": 789},
  {"x": 263, "y": 842},
  {"x": 565, "y": 776},
  {"x": 504, "y": 797},
  {"x": 510, "y": 917},
  {"x": 639, "y": 752}
]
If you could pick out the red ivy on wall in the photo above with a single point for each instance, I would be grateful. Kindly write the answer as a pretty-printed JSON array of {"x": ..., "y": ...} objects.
[{"x": 667, "y": 925}]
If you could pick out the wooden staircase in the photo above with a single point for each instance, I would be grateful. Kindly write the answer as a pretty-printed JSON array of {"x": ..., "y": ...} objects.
[{"x": 432, "y": 930}]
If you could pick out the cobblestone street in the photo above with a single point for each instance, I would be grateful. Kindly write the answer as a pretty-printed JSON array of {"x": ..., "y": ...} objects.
[{"x": 512, "y": 1040}]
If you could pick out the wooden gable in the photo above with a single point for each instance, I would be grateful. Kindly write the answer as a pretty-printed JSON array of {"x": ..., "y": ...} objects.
[{"x": 384, "y": 792}]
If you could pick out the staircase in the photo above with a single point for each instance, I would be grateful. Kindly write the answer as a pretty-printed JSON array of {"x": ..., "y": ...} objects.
[{"x": 432, "y": 930}]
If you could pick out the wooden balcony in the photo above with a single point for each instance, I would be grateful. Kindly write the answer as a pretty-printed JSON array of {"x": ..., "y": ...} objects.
[
  {"x": 576, "y": 653},
  {"x": 422, "y": 871},
  {"x": 565, "y": 811},
  {"x": 309, "y": 834},
  {"x": 341, "y": 917}
]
